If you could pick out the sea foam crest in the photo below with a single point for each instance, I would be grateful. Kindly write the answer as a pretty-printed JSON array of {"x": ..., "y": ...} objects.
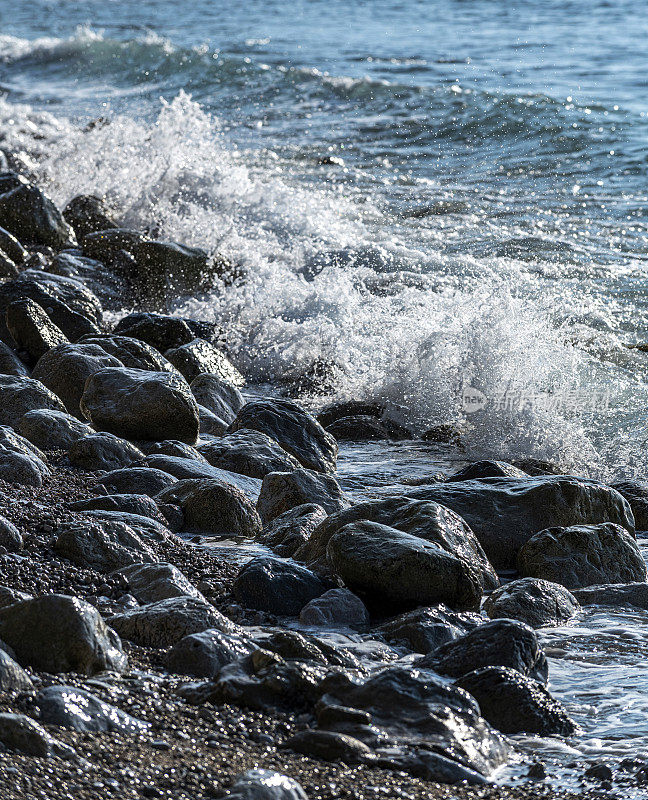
[{"x": 416, "y": 348}]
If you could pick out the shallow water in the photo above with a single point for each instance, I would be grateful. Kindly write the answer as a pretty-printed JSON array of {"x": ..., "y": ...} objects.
[{"x": 442, "y": 201}]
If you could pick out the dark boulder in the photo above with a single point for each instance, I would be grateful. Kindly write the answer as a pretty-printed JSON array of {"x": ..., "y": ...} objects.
[
  {"x": 536, "y": 602},
  {"x": 425, "y": 629},
  {"x": 283, "y": 491},
  {"x": 289, "y": 531},
  {"x": 33, "y": 218},
  {"x": 32, "y": 330},
  {"x": 276, "y": 586},
  {"x": 19, "y": 395},
  {"x": 200, "y": 357},
  {"x": 249, "y": 453},
  {"x": 88, "y": 214}
]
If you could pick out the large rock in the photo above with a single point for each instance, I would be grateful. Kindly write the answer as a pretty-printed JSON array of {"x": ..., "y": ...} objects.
[
  {"x": 499, "y": 643},
  {"x": 104, "y": 545},
  {"x": 426, "y": 520},
  {"x": 583, "y": 555},
  {"x": 105, "y": 451},
  {"x": 66, "y": 368},
  {"x": 56, "y": 633},
  {"x": 131, "y": 352},
  {"x": 633, "y": 595},
  {"x": 202, "y": 655},
  {"x": 533, "y": 601},
  {"x": 335, "y": 608},
  {"x": 139, "y": 504},
  {"x": 88, "y": 214},
  {"x": 505, "y": 512},
  {"x": 79, "y": 710},
  {"x": 263, "y": 784},
  {"x": 20, "y": 461},
  {"x": 190, "y": 468},
  {"x": 32, "y": 218},
  {"x": 478, "y": 470},
  {"x": 199, "y": 357},
  {"x": 166, "y": 622},
  {"x": 636, "y": 493},
  {"x": 161, "y": 331},
  {"x": 425, "y": 629},
  {"x": 294, "y": 429},
  {"x": 213, "y": 506},
  {"x": 52, "y": 430},
  {"x": 139, "y": 480},
  {"x": 513, "y": 703},
  {"x": 24, "y": 735},
  {"x": 248, "y": 452},
  {"x": 19, "y": 395},
  {"x": 218, "y": 396},
  {"x": 12, "y": 247},
  {"x": 13, "y": 678},
  {"x": 283, "y": 491},
  {"x": 10, "y": 363},
  {"x": 389, "y": 568},
  {"x": 32, "y": 330},
  {"x": 292, "y": 529},
  {"x": 276, "y": 586},
  {"x": 149, "y": 583},
  {"x": 10, "y": 537},
  {"x": 138, "y": 404}
]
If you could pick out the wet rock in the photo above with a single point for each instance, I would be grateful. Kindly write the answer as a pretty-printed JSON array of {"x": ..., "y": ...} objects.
[
  {"x": 13, "y": 678},
  {"x": 23, "y": 735},
  {"x": 636, "y": 493},
  {"x": 276, "y": 586},
  {"x": 533, "y": 601},
  {"x": 104, "y": 545},
  {"x": 263, "y": 784},
  {"x": 32, "y": 330},
  {"x": 487, "y": 469},
  {"x": 166, "y": 622},
  {"x": 103, "y": 451},
  {"x": 7, "y": 598},
  {"x": 12, "y": 247},
  {"x": 144, "y": 526},
  {"x": 186, "y": 468},
  {"x": 88, "y": 214},
  {"x": 79, "y": 710},
  {"x": 32, "y": 218},
  {"x": 172, "y": 447},
  {"x": 56, "y": 633},
  {"x": 293, "y": 428},
  {"x": 389, "y": 568},
  {"x": 361, "y": 428},
  {"x": 583, "y": 555},
  {"x": 292, "y": 529},
  {"x": 138, "y": 504},
  {"x": 132, "y": 353},
  {"x": 329, "y": 746},
  {"x": 152, "y": 582},
  {"x": 599, "y": 772},
  {"x": 138, "y": 404},
  {"x": 248, "y": 452},
  {"x": 202, "y": 655},
  {"x": 425, "y": 520},
  {"x": 20, "y": 461},
  {"x": 52, "y": 430},
  {"x": 160, "y": 331},
  {"x": 8, "y": 269},
  {"x": 210, "y": 423},
  {"x": 305, "y": 647},
  {"x": 213, "y": 506},
  {"x": 19, "y": 395},
  {"x": 513, "y": 703},
  {"x": 634, "y": 595},
  {"x": 10, "y": 537},
  {"x": 218, "y": 396},
  {"x": 65, "y": 369},
  {"x": 106, "y": 245},
  {"x": 200, "y": 357},
  {"x": 499, "y": 643},
  {"x": 426, "y": 629},
  {"x": 71, "y": 306},
  {"x": 10, "y": 364},
  {"x": 335, "y": 608},
  {"x": 505, "y": 512},
  {"x": 137, "y": 480},
  {"x": 418, "y": 710},
  {"x": 283, "y": 491}
]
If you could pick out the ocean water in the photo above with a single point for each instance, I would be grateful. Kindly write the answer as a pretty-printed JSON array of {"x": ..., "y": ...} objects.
[{"x": 446, "y": 203}]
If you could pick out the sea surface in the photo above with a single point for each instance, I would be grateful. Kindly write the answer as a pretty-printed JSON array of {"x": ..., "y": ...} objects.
[{"x": 442, "y": 203}]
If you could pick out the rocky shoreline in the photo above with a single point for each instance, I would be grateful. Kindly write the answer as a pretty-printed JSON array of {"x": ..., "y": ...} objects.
[{"x": 378, "y": 648}]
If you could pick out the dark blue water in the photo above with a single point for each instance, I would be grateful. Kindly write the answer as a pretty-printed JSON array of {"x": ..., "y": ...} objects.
[{"x": 439, "y": 200}]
